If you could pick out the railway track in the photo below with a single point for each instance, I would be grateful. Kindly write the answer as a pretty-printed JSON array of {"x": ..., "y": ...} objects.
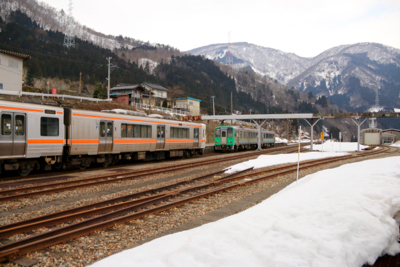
[
  {"x": 106, "y": 214},
  {"x": 20, "y": 189}
]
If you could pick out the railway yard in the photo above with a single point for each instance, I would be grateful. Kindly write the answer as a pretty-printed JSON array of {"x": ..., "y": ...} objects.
[{"x": 78, "y": 218}]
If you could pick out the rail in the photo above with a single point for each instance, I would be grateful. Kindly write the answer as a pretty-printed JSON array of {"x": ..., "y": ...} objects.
[
  {"x": 20, "y": 93},
  {"x": 122, "y": 212}
]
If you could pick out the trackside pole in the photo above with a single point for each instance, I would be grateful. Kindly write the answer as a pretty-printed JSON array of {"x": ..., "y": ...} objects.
[
  {"x": 298, "y": 157},
  {"x": 312, "y": 132},
  {"x": 358, "y": 132},
  {"x": 259, "y": 129}
]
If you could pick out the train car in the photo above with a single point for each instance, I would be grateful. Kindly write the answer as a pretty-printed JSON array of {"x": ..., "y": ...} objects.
[
  {"x": 234, "y": 138},
  {"x": 107, "y": 137},
  {"x": 31, "y": 137},
  {"x": 36, "y": 137}
]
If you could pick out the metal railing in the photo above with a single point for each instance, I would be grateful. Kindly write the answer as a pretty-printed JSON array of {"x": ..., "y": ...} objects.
[
  {"x": 162, "y": 109},
  {"x": 20, "y": 93}
]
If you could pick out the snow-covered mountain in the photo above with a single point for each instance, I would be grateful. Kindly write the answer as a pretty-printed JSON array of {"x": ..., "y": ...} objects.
[
  {"x": 266, "y": 61},
  {"x": 57, "y": 20},
  {"x": 349, "y": 75}
]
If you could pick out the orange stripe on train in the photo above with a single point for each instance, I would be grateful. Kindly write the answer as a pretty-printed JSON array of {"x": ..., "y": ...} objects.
[
  {"x": 45, "y": 141},
  {"x": 81, "y": 141},
  {"x": 134, "y": 141},
  {"x": 22, "y": 109},
  {"x": 179, "y": 141}
]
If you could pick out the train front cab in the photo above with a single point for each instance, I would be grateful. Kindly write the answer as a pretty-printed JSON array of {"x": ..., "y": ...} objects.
[
  {"x": 31, "y": 137},
  {"x": 224, "y": 139}
]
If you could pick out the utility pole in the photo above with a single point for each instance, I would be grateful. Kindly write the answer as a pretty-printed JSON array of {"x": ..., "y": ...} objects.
[
  {"x": 231, "y": 105},
  {"x": 80, "y": 82},
  {"x": 213, "y": 105},
  {"x": 108, "y": 87}
]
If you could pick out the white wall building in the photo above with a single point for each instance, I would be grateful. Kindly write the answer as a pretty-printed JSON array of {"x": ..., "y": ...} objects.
[{"x": 11, "y": 68}]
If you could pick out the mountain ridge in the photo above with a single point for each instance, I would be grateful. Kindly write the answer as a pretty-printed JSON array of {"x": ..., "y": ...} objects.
[{"x": 327, "y": 74}]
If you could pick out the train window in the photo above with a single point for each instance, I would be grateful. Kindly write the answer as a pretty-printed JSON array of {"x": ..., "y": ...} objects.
[
  {"x": 223, "y": 134},
  {"x": 6, "y": 124},
  {"x": 102, "y": 129},
  {"x": 160, "y": 131},
  {"x": 49, "y": 126},
  {"x": 218, "y": 132},
  {"x": 109, "y": 129},
  {"x": 136, "y": 131},
  {"x": 230, "y": 132},
  {"x": 48, "y": 111},
  {"x": 143, "y": 132},
  {"x": 129, "y": 132},
  {"x": 179, "y": 132},
  {"x": 148, "y": 131},
  {"x": 123, "y": 130},
  {"x": 19, "y": 125}
]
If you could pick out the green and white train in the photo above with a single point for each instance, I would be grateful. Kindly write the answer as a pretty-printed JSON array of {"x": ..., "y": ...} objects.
[{"x": 234, "y": 138}]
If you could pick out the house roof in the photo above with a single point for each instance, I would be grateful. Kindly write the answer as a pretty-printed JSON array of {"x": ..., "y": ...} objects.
[
  {"x": 394, "y": 130},
  {"x": 124, "y": 86},
  {"x": 184, "y": 98},
  {"x": 24, "y": 57},
  {"x": 153, "y": 86}
]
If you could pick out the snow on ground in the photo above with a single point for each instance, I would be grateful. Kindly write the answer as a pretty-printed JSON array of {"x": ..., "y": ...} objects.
[
  {"x": 269, "y": 160},
  {"x": 397, "y": 144},
  {"x": 336, "y": 217},
  {"x": 331, "y": 146},
  {"x": 280, "y": 140}
]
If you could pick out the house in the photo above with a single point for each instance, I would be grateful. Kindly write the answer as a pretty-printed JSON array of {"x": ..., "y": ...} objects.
[
  {"x": 156, "y": 96},
  {"x": 394, "y": 132},
  {"x": 11, "y": 67},
  {"x": 144, "y": 93},
  {"x": 127, "y": 93},
  {"x": 187, "y": 103}
]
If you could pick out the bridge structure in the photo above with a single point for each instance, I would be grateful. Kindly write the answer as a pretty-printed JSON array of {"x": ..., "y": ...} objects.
[{"x": 310, "y": 118}]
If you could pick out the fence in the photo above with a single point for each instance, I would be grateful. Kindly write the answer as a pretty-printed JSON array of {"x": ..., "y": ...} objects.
[
  {"x": 162, "y": 109},
  {"x": 20, "y": 93}
]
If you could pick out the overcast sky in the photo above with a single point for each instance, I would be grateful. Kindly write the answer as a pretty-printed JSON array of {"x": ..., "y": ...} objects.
[{"x": 303, "y": 27}]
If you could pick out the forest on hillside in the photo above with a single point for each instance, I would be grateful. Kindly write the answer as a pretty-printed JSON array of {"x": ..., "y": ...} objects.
[{"x": 190, "y": 75}]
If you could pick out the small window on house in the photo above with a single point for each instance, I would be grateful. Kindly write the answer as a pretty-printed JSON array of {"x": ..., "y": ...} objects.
[
  {"x": 13, "y": 64},
  {"x": 1, "y": 86},
  {"x": 191, "y": 103}
]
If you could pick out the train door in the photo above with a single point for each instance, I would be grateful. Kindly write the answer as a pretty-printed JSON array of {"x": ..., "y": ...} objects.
[
  {"x": 160, "y": 137},
  {"x": 12, "y": 136},
  {"x": 223, "y": 136},
  {"x": 106, "y": 137},
  {"x": 195, "y": 137}
]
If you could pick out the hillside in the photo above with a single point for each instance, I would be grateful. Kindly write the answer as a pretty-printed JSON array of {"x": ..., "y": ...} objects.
[
  {"x": 349, "y": 75},
  {"x": 183, "y": 75}
]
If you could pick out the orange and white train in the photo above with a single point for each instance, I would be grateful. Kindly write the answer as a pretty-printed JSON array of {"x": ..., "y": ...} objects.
[{"x": 46, "y": 137}]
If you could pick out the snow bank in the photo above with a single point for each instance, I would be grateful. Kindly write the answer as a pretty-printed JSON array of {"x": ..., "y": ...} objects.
[
  {"x": 336, "y": 217},
  {"x": 270, "y": 160},
  {"x": 331, "y": 146}
]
